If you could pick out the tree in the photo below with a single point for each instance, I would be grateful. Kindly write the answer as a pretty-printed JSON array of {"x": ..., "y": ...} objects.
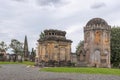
[
  {"x": 115, "y": 46},
  {"x": 42, "y": 35},
  {"x": 33, "y": 54},
  {"x": 3, "y": 46},
  {"x": 3, "y": 49},
  {"x": 79, "y": 47},
  {"x": 17, "y": 46}
]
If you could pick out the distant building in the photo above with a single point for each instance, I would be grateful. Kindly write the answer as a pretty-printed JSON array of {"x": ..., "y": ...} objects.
[
  {"x": 54, "y": 46},
  {"x": 96, "y": 49}
]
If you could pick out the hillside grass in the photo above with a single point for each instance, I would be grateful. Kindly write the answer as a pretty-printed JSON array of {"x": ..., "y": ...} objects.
[
  {"x": 106, "y": 71},
  {"x": 24, "y": 62}
]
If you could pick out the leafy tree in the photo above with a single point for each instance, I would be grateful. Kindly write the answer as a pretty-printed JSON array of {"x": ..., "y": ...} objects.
[
  {"x": 115, "y": 46},
  {"x": 17, "y": 46},
  {"x": 79, "y": 47},
  {"x": 3, "y": 46},
  {"x": 42, "y": 35}
]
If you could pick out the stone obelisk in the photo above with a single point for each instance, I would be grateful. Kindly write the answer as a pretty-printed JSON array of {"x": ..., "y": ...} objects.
[{"x": 26, "y": 52}]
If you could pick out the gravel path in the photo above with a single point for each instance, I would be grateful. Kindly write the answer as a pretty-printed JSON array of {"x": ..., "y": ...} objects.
[{"x": 22, "y": 72}]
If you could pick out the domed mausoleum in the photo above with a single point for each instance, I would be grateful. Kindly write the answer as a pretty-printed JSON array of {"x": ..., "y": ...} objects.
[{"x": 96, "y": 44}]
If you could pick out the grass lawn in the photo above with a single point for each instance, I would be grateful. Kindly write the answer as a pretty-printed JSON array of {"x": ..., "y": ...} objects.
[
  {"x": 24, "y": 62},
  {"x": 83, "y": 70}
]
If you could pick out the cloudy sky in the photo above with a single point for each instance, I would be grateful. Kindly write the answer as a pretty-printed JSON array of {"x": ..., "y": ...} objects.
[{"x": 29, "y": 17}]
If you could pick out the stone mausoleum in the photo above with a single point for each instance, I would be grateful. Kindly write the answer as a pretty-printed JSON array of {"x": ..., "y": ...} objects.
[
  {"x": 54, "y": 46},
  {"x": 96, "y": 44}
]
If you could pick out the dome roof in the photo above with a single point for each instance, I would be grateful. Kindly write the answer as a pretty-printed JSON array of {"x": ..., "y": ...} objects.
[{"x": 96, "y": 21}]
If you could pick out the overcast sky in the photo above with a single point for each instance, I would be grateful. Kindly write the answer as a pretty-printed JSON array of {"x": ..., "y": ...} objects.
[{"x": 29, "y": 17}]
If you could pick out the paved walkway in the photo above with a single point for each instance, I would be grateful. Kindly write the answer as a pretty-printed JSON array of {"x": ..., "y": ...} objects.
[{"x": 21, "y": 72}]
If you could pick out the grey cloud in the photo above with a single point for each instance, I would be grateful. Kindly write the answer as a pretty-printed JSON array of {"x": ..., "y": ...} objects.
[
  {"x": 19, "y": 0},
  {"x": 49, "y": 2},
  {"x": 98, "y": 5},
  {"x": 18, "y": 20}
]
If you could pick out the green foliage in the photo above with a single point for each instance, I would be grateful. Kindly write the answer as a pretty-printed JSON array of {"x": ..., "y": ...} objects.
[
  {"x": 79, "y": 47},
  {"x": 24, "y": 62},
  {"x": 83, "y": 70},
  {"x": 17, "y": 46},
  {"x": 3, "y": 46},
  {"x": 28, "y": 63},
  {"x": 33, "y": 53},
  {"x": 115, "y": 46},
  {"x": 42, "y": 35}
]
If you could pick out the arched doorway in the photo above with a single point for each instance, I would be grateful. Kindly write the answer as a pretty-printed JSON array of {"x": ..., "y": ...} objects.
[{"x": 97, "y": 58}]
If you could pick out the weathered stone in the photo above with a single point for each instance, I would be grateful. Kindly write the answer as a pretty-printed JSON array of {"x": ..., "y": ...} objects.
[
  {"x": 97, "y": 43},
  {"x": 54, "y": 47},
  {"x": 26, "y": 52}
]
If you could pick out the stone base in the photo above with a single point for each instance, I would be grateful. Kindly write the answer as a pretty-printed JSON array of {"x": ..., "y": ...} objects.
[{"x": 82, "y": 64}]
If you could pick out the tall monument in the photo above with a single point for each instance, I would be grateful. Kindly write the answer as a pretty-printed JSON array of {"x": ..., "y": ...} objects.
[
  {"x": 96, "y": 43},
  {"x": 26, "y": 52}
]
